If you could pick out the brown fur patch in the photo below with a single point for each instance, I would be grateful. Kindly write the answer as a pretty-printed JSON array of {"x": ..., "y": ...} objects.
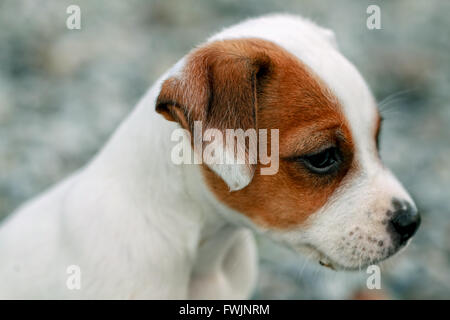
[{"x": 260, "y": 85}]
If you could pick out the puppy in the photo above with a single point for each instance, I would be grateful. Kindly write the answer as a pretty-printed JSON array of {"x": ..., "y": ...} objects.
[{"x": 136, "y": 225}]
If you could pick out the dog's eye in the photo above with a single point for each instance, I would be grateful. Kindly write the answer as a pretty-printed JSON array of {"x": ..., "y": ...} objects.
[{"x": 323, "y": 162}]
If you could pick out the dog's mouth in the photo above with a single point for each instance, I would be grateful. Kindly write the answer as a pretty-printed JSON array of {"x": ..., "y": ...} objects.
[
  {"x": 327, "y": 265},
  {"x": 317, "y": 255},
  {"x": 326, "y": 261}
]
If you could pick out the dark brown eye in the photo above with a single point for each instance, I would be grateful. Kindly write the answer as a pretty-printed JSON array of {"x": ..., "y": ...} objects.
[{"x": 323, "y": 162}]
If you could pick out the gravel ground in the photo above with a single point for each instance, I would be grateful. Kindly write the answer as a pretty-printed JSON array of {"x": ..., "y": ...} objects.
[{"x": 63, "y": 92}]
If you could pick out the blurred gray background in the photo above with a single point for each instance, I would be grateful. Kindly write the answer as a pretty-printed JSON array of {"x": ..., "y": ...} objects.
[{"x": 63, "y": 92}]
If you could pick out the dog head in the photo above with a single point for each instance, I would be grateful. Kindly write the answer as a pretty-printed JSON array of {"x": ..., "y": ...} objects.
[{"x": 331, "y": 195}]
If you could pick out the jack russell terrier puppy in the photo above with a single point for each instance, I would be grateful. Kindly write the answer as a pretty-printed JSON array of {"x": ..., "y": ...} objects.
[{"x": 136, "y": 225}]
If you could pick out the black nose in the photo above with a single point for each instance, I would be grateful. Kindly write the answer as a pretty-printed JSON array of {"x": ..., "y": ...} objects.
[{"x": 404, "y": 222}]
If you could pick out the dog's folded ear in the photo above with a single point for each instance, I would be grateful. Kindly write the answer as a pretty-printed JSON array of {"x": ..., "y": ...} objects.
[{"x": 219, "y": 86}]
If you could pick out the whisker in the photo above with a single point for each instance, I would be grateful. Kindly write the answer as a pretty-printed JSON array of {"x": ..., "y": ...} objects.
[
  {"x": 300, "y": 271},
  {"x": 395, "y": 95},
  {"x": 391, "y": 102},
  {"x": 390, "y": 114}
]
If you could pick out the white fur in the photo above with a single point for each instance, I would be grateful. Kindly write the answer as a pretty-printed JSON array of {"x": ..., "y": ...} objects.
[{"x": 142, "y": 227}]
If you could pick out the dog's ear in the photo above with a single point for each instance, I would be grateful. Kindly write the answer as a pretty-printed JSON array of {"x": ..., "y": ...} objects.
[{"x": 219, "y": 86}]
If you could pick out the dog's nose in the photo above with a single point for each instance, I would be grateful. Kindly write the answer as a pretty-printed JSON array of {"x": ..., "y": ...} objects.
[{"x": 405, "y": 221}]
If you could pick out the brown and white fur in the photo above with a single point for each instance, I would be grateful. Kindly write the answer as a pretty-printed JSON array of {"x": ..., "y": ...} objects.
[{"x": 141, "y": 227}]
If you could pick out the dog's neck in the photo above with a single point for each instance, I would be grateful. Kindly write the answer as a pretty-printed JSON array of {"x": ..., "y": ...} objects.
[{"x": 139, "y": 154}]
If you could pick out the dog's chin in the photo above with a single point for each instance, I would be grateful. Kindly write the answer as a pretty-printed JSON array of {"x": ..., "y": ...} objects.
[{"x": 326, "y": 261}]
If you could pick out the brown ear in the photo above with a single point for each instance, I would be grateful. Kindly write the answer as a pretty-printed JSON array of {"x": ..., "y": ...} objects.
[{"x": 218, "y": 86}]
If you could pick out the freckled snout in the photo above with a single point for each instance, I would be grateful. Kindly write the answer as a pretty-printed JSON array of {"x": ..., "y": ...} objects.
[{"x": 404, "y": 222}]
